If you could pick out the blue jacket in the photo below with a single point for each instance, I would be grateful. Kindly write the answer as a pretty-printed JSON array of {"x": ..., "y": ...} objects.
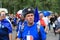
[{"x": 5, "y": 29}]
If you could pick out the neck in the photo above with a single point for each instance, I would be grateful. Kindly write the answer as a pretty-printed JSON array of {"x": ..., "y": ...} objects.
[
  {"x": 0, "y": 19},
  {"x": 30, "y": 24}
]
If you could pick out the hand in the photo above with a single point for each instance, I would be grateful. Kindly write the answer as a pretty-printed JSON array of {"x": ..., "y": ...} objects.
[
  {"x": 46, "y": 29},
  {"x": 57, "y": 31},
  {"x": 10, "y": 36}
]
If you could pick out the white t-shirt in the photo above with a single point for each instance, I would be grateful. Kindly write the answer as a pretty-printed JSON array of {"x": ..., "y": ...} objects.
[
  {"x": 46, "y": 20},
  {"x": 58, "y": 19}
]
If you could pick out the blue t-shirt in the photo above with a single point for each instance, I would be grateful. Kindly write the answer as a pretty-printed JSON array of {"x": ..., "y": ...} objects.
[
  {"x": 5, "y": 29},
  {"x": 33, "y": 31}
]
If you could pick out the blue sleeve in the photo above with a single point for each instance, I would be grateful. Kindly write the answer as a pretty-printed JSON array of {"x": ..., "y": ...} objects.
[
  {"x": 9, "y": 31},
  {"x": 19, "y": 34},
  {"x": 17, "y": 27},
  {"x": 43, "y": 33},
  {"x": 10, "y": 28},
  {"x": 15, "y": 20}
]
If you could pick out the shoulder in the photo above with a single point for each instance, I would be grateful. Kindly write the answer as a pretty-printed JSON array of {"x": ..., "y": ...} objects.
[
  {"x": 58, "y": 19},
  {"x": 7, "y": 21}
]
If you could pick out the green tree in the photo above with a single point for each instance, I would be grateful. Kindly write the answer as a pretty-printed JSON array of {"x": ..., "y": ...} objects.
[{"x": 14, "y": 5}]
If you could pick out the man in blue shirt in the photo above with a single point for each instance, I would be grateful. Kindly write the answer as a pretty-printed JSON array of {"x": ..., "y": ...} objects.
[
  {"x": 30, "y": 31},
  {"x": 5, "y": 26},
  {"x": 21, "y": 21}
]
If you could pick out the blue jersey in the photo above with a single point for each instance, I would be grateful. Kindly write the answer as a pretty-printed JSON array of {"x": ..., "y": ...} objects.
[
  {"x": 5, "y": 29},
  {"x": 33, "y": 31},
  {"x": 20, "y": 24},
  {"x": 15, "y": 21}
]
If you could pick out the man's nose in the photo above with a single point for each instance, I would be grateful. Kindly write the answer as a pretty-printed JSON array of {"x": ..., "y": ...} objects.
[{"x": 30, "y": 16}]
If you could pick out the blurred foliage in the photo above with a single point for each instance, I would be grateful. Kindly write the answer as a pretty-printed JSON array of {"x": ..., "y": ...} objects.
[{"x": 14, "y": 5}]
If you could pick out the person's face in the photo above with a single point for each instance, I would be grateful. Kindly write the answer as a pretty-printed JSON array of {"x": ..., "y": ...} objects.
[
  {"x": 30, "y": 18},
  {"x": 41, "y": 15},
  {"x": 22, "y": 17},
  {"x": 2, "y": 15}
]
